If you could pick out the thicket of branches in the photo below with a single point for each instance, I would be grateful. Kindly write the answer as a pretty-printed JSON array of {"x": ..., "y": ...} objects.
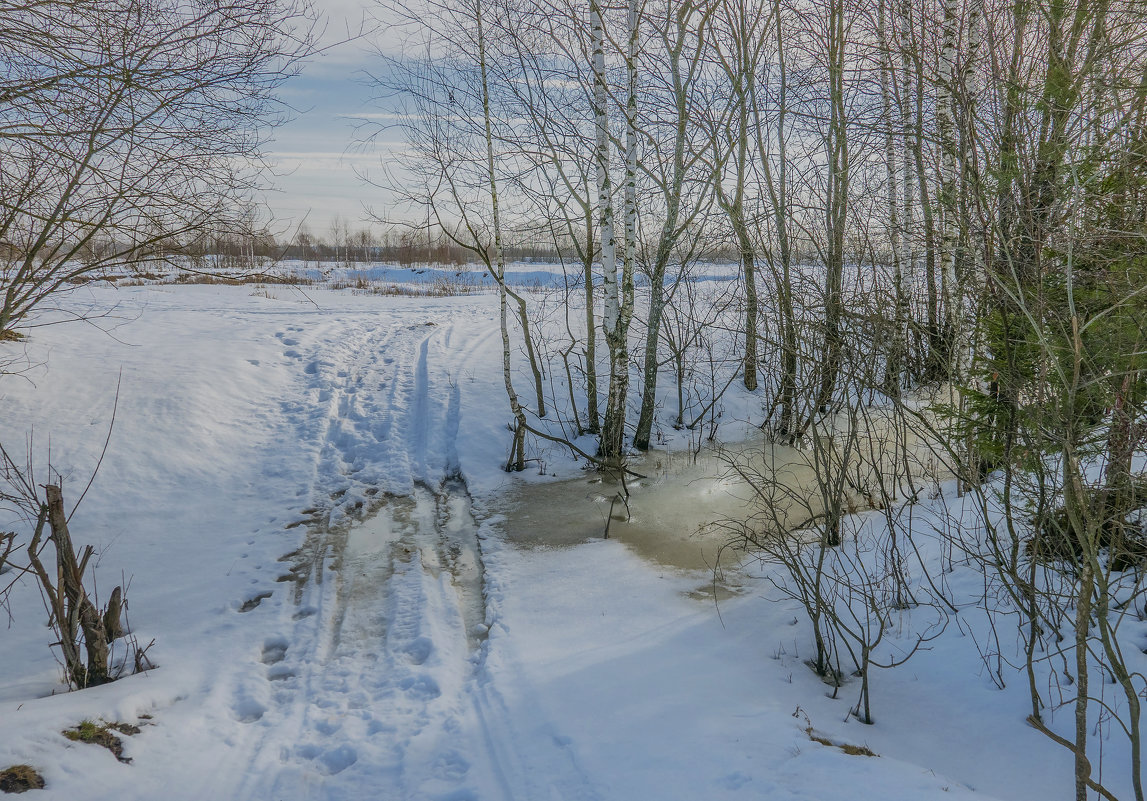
[
  {"x": 950, "y": 195},
  {"x": 131, "y": 128}
]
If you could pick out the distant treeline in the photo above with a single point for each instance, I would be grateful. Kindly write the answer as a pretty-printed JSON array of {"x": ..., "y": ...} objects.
[
  {"x": 343, "y": 246},
  {"x": 235, "y": 250}
]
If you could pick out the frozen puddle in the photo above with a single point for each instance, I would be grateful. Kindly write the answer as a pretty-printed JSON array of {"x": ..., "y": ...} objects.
[
  {"x": 684, "y": 514},
  {"x": 673, "y": 517}
]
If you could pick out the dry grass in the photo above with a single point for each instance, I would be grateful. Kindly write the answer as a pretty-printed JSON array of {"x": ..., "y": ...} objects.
[
  {"x": 195, "y": 278},
  {"x": 438, "y": 288},
  {"x": 848, "y": 748},
  {"x": 88, "y": 731},
  {"x": 820, "y": 739},
  {"x": 19, "y": 779}
]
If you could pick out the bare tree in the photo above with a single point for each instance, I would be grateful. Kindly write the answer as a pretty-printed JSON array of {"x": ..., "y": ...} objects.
[
  {"x": 85, "y": 633},
  {"x": 738, "y": 52},
  {"x": 897, "y": 350},
  {"x": 672, "y": 158},
  {"x": 546, "y": 77},
  {"x": 127, "y": 128},
  {"x": 516, "y": 460},
  {"x": 618, "y": 311}
]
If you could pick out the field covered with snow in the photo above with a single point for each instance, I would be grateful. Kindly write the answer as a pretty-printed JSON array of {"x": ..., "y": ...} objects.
[{"x": 304, "y": 490}]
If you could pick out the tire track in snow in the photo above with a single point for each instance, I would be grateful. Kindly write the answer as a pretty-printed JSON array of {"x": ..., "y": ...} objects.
[
  {"x": 356, "y": 682},
  {"x": 376, "y": 683},
  {"x": 420, "y": 413},
  {"x": 338, "y": 425}
]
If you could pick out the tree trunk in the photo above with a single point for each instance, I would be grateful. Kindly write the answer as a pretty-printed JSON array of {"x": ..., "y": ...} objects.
[
  {"x": 1082, "y": 625},
  {"x": 787, "y": 426},
  {"x": 516, "y": 459},
  {"x": 81, "y": 615},
  {"x": 836, "y": 210},
  {"x": 907, "y": 224},
  {"x": 749, "y": 267},
  {"x": 895, "y": 366},
  {"x": 531, "y": 353},
  {"x": 744, "y": 242},
  {"x": 644, "y": 430},
  {"x": 945, "y": 125},
  {"x": 669, "y": 233},
  {"x": 593, "y": 417},
  {"x": 911, "y": 49},
  {"x": 618, "y": 304},
  {"x": 740, "y": 73}
]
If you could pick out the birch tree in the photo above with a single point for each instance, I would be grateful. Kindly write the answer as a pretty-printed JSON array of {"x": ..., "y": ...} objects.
[
  {"x": 896, "y": 352},
  {"x": 451, "y": 166},
  {"x": 547, "y": 77},
  {"x": 788, "y": 424},
  {"x": 618, "y": 308},
  {"x": 945, "y": 126}
]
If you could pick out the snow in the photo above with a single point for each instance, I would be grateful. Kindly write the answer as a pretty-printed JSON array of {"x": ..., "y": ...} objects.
[{"x": 305, "y": 450}]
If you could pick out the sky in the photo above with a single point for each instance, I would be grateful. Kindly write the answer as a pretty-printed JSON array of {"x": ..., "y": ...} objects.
[{"x": 318, "y": 154}]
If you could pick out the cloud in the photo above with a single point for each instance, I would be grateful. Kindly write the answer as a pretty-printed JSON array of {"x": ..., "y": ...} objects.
[{"x": 319, "y": 155}]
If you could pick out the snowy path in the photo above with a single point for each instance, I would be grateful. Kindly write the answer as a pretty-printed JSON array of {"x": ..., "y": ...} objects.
[{"x": 376, "y": 685}]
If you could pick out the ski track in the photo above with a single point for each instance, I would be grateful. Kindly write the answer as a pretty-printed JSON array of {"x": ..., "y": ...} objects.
[{"x": 374, "y": 683}]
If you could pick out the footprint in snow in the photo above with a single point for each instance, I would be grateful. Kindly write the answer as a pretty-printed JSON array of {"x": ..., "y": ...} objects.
[
  {"x": 338, "y": 759},
  {"x": 332, "y": 761},
  {"x": 247, "y": 710},
  {"x": 280, "y": 673},
  {"x": 451, "y": 766},
  {"x": 250, "y": 603},
  {"x": 378, "y": 727},
  {"x": 464, "y": 794},
  {"x": 274, "y": 650},
  {"x": 419, "y": 650},
  {"x": 422, "y": 687},
  {"x": 327, "y": 727}
]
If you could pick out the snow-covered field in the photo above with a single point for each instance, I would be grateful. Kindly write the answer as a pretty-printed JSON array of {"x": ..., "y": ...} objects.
[{"x": 304, "y": 490}]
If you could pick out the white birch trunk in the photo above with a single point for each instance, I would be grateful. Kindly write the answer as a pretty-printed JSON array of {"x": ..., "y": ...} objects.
[
  {"x": 604, "y": 186},
  {"x": 619, "y": 300},
  {"x": 630, "y": 258},
  {"x": 903, "y": 37},
  {"x": 949, "y": 291},
  {"x": 896, "y": 352},
  {"x": 970, "y": 331}
]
